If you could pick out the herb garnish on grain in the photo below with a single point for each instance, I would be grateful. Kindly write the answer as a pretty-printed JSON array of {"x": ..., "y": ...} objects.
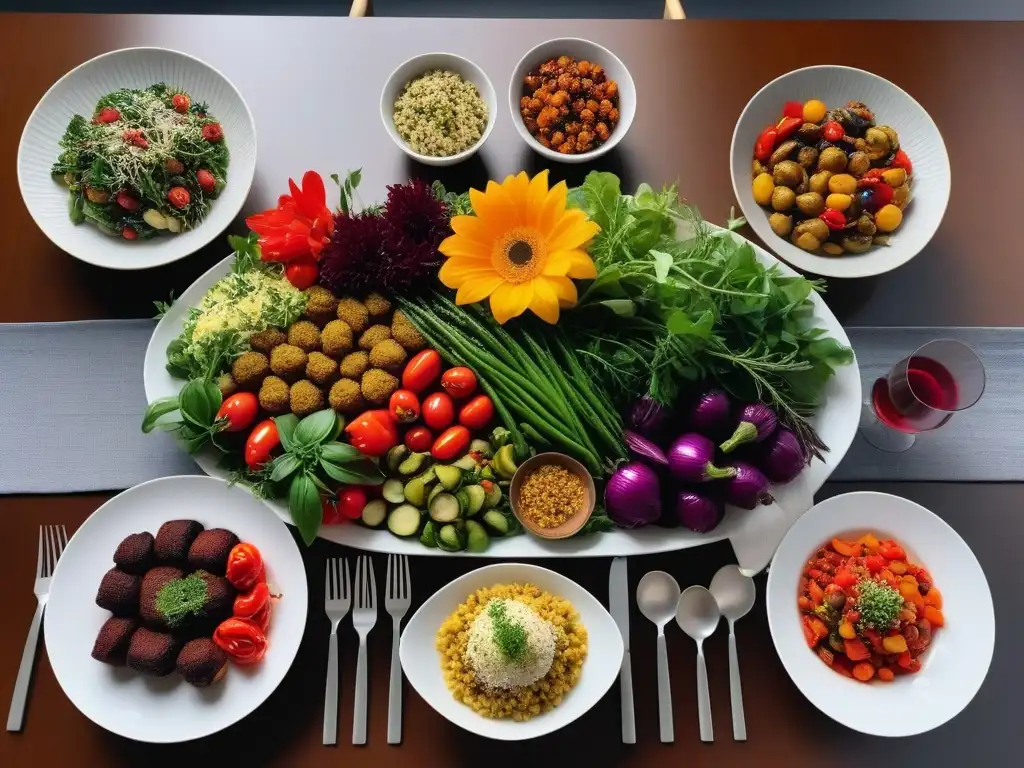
[
  {"x": 509, "y": 636},
  {"x": 879, "y": 605}
]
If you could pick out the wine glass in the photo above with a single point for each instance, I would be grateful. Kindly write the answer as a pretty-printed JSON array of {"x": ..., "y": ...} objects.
[{"x": 921, "y": 393}]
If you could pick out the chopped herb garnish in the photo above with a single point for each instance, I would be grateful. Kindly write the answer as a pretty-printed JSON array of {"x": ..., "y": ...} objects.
[
  {"x": 509, "y": 636},
  {"x": 879, "y": 605},
  {"x": 181, "y": 598}
]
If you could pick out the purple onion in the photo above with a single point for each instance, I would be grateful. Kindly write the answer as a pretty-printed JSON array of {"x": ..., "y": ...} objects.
[
  {"x": 710, "y": 414},
  {"x": 632, "y": 496},
  {"x": 644, "y": 448},
  {"x": 757, "y": 422},
  {"x": 692, "y": 459},
  {"x": 648, "y": 417},
  {"x": 783, "y": 457},
  {"x": 748, "y": 488},
  {"x": 699, "y": 511}
]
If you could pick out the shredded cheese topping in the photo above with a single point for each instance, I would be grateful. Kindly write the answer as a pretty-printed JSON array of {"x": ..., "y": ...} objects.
[{"x": 492, "y": 668}]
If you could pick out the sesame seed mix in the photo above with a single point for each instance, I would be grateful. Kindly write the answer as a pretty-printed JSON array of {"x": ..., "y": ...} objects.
[
  {"x": 550, "y": 495},
  {"x": 440, "y": 114}
]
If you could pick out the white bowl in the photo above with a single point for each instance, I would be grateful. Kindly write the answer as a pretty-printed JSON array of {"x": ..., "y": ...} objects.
[
  {"x": 77, "y": 93},
  {"x": 421, "y": 661},
  {"x": 420, "y": 65},
  {"x": 165, "y": 710},
  {"x": 581, "y": 50},
  {"x": 893, "y": 106},
  {"x": 955, "y": 664}
]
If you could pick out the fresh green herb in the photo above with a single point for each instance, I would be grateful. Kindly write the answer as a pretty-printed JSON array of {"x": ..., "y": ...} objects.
[
  {"x": 598, "y": 523},
  {"x": 879, "y": 605},
  {"x": 163, "y": 307},
  {"x": 690, "y": 304},
  {"x": 457, "y": 204},
  {"x": 347, "y": 190},
  {"x": 197, "y": 405},
  {"x": 509, "y": 636},
  {"x": 181, "y": 598}
]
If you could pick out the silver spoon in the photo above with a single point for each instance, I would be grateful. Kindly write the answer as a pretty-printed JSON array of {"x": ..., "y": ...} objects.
[
  {"x": 698, "y": 616},
  {"x": 735, "y": 595},
  {"x": 657, "y": 596}
]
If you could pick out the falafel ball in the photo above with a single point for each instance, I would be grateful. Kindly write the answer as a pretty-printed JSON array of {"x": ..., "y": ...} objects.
[
  {"x": 220, "y": 599},
  {"x": 304, "y": 335},
  {"x": 119, "y": 592},
  {"x": 264, "y": 341},
  {"x": 346, "y": 397},
  {"x": 209, "y": 552},
  {"x": 274, "y": 395},
  {"x": 336, "y": 339},
  {"x": 288, "y": 362},
  {"x": 173, "y": 540},
  {"x": 353, "y": 312},
  {"x": 135, "y": 553},
  {"x": 405, "y": 333},
  {"x": 155, "y": 580},
  {"x": 111, "y": 646},
  {"x": 226, "y": 385},
  {"x": 320, "y": 369},
  {"x": 373, "y": 336},
  {"x": 354, "y": 364},
  {"x": 201, "y": 662},
  {"x": 377, "y": 305},
  {"x": 249, "y": 369},
  {"x": 377, "y": 386},
  {"x": 305, "y": 398},
  {"x": 387, "y": 354},
  {"x": 152, "y": 653},
  {"x": 321, "y": 305}
]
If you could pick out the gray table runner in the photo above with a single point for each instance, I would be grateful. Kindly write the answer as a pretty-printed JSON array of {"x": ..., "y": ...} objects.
[{"x": 71, "y": 400}]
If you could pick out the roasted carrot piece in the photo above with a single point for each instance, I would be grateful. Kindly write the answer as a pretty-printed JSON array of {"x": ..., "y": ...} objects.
[
  {"x": 886, "y": 674},
  {"x": 856, "y": 650},
  {"x": 864, "y": 671},
  {"x": 847, "y": 548},
  {"x": 933, "y": 598},
  {"x": 934, "y": 615}
]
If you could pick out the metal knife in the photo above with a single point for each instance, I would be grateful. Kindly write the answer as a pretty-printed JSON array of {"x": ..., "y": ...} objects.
[{"x": 618, "y": 599}]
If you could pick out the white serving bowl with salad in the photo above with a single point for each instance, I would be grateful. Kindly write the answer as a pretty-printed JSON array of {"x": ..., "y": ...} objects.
[{"x": 137, "y": 158}]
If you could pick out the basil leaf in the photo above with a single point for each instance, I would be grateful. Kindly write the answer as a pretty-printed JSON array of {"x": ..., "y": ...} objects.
[
  {"x": 156, "y": 409},
  {"x": 320, "y": 484},
  {"x": 196, "y": 406},
  {"x": 304, "y": 506},
  {"x": 339, "y": 453},
  {"x": 285, "y": 429},
  {"x": 283, "y": 466},
  {"x": 315, "y": 428},
  {"x": 363, "y": 472}
]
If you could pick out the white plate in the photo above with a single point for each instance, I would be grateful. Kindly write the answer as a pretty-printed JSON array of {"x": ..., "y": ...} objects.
[
  {"x": 165, "y": 710},
  {"x": 836, "y": 423},
  {"x": 77, "y": 93},
  {"x": 955, "y": 664},
  {"x": 421, "y": 660},
  {"x": 893, "y": 106}
]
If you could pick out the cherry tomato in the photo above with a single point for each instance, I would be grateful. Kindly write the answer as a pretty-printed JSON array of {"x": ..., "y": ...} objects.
[
  {"x": 107, "y": 115},
  {"x": 765, "y": 144},
  {"x": 261, "y": 443},
  {"x": 178, "y": 197},
  {"x": 212, "y": 132},
  {"x": 891, "y": 551},
  {"x": 247, "y": 604},
  {"x": 787, "y": 127},
  {"x": 207, "y": 181},
  {"x": 874, "y": 563},
  {"x": 174, "y": 166},
  {"x": 833, "y": 218},
  {"x": 129, "y": 233},
  {"x": 833, "y": 131},
  {"x": 245, "y": 566},
  {"x": 180, "y": 102},
  {"x": 451, "y": 443},
  {"x": 421, "y": 371},
  {"x": 459, "y": 382},
  {"x": 241, "y": 639},
  {"x": 373, "y": 432},
  {"x": 239, "y": 410},
  {"x": 438, "y": 411},
  {"x": 127, "y": 200},
  {"x": 419, "y": 439},
  {"x": 477, "y": 412},
  {"x": 351, "y": 500},
  {"x": 794, "y": 109},
  {"x": 844, "y": 578},
  {"x": 404, "y": 406},
  {"x": 330, "y": 514},
  {"x": 262, "y": 617},
  {"x": 902, "y": 160},
  {"x": 302, "y": 273}
]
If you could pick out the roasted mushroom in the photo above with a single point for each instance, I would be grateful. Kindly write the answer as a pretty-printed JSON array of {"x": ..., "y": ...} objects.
[
  {"x": 810, "y": 234},
  {"x": 807, "y": 157},
  {"x": 866, "y": 225},
  {"x": 858, "y": 164},
  {"x": 757, "y": 168},
  {"x": 860, "y": 109},
  {"x": 788, "y": 174},
  {"x": 880, "y": 240},
  {"x": 811, "y": 204},
  {"x": 901, "y": 196},
  {"x": 783, "y": 199},
  {"x": 875, "y": 144},
  {"x": 781, "y": 224},
  {"x": 832, "y": 249},
  {"x": 894, "y": 138},
  {"x": 856, "y": 243},
  {"x": 784, "y": 150},
  {"x": 809, "y": 133},
  {"x": 819, "y": 182},
  {"x": 832, "y": 159},
  {"x": 804, "y": 186}
]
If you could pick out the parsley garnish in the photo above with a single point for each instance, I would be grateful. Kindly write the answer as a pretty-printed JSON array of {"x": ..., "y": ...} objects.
[
  {"x": 879, "y": 605},
  {"x": 509, "y": 636},
  {"x": 181, "y": 598}
]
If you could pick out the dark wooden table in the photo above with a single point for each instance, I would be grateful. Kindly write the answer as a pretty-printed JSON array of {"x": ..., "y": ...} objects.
[{"x": 313, "y": 86}]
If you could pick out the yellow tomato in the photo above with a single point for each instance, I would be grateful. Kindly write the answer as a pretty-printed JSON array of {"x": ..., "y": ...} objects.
[
  {"x": 814, "y": 111},
  {"x": 762, "y": 188},
  {"x": 888, "y": 218},
  {"x": 842, "y": 183},
  {"x": 838, "y": 201}
]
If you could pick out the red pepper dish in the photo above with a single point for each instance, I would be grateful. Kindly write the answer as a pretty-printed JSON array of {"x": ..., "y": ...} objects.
[
  {"x": 867, "y": 611},
  {"x": 835, "y": 181}
]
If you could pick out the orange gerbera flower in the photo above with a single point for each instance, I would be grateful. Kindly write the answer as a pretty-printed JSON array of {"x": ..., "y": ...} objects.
[{"x": 521, "y": 249}]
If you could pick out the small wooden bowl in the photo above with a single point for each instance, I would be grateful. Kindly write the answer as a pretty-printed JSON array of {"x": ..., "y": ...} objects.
[{"x": 574, "y": 523}]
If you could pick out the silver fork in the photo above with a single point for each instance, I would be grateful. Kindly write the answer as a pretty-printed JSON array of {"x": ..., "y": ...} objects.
[
  {"x": 363, "y": 618},
  {"x": 337, "y": 600},
  {"x": 56, "y": 538},
  {"x": 397, "y": 597}
]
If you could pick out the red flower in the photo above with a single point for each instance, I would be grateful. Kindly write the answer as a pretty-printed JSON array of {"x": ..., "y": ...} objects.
[{"x": 301, "y": 225}]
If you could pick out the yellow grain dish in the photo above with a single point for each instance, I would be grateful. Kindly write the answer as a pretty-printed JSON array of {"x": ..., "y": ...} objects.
[{"x": 458, "y": 641}]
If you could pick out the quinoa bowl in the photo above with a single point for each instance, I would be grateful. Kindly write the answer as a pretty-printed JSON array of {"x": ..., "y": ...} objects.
[
  {"x": 585, "y": 658},
  {"x": 416, "y": 131}
]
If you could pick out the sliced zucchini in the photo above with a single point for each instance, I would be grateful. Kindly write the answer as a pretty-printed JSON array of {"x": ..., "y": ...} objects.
[
  {"x": 416, "y": 492},
  {"x": 449, "y": 539},
  {"x": 496, "y": 522},
  {"x": 444, "y": 508},
  {"x": 477, "y": 539},
  {"x": 504, "y": 462},
  {"x": 374, "y": 513},
  {"x": 396, "y": 456},
  {"x": 433, "y": 492},
  {"x": 493, "y": 497},
  {"x": 448, "y": 476},
  {"x": 467, "y": 462},
  {"x": 428, "y": 477},
  {"x": 482, "y": 447},
  {"x": 474, "y": 499},
  {"x": 404, "y": 520},
  {"x": 412, "y": 464},
  {"x": 427, "y": 538},
  {"x": 394, "y": 491}
]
